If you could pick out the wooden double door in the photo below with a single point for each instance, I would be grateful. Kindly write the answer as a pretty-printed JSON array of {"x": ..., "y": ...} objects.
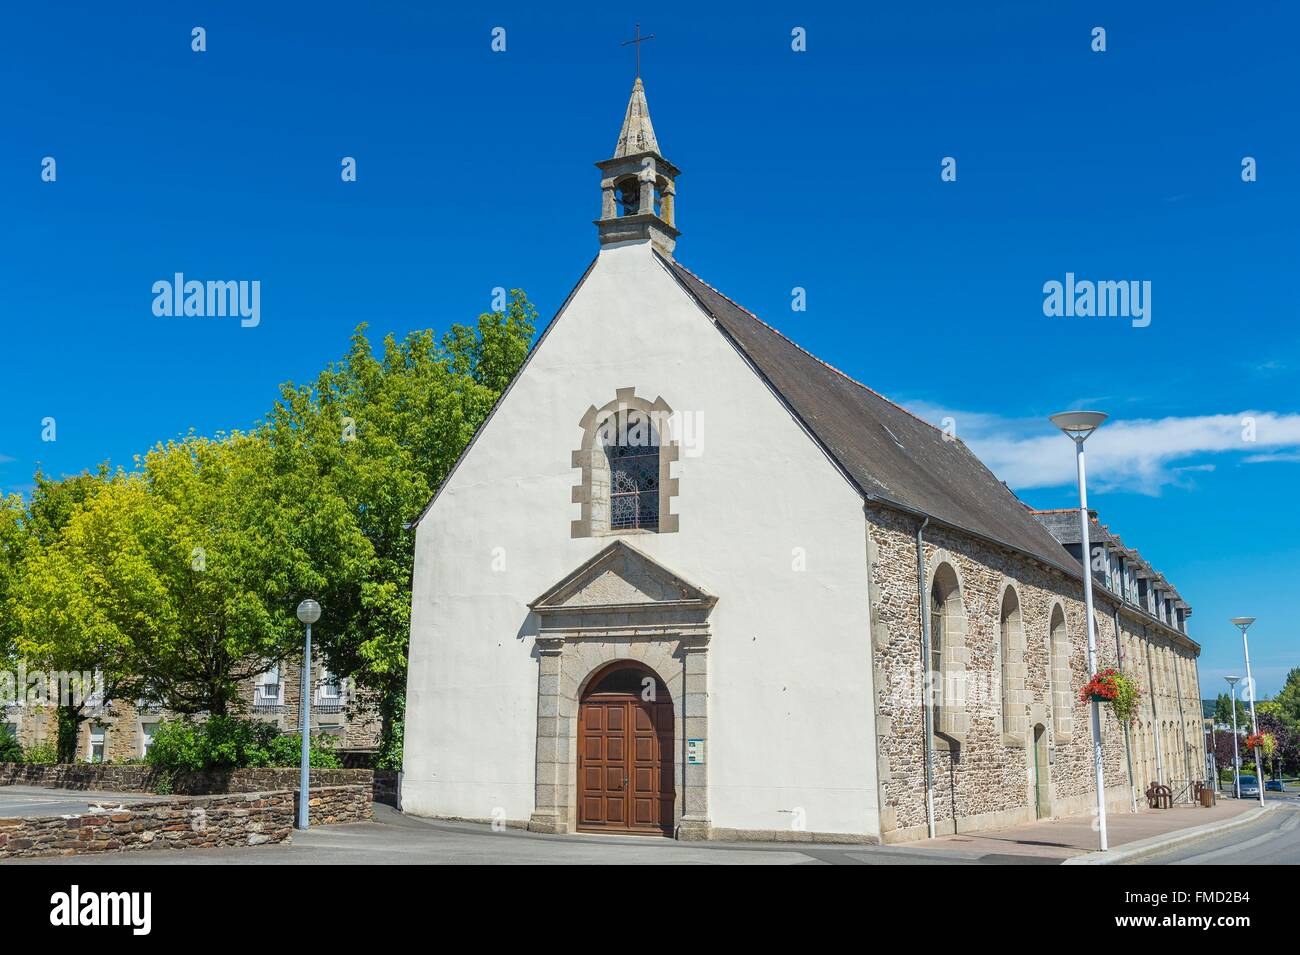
[{"x": 625, "y": 764}]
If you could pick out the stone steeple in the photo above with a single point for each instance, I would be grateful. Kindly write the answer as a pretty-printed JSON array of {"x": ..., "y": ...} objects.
[
  {"x": 638, "y": 133},
  {"x": 637, "y": 184}
]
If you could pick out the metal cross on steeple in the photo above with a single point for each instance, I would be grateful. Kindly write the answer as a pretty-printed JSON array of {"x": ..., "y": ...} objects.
[{"x": 637, "y": 41}]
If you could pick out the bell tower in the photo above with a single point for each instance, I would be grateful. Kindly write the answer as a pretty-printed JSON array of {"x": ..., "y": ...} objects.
[{"x": 637, "y": 191}]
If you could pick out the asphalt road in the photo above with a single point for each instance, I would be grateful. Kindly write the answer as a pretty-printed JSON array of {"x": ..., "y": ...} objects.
[
  {"x": 404, "y": 840},
  {"x": 1272, "y": 840}
]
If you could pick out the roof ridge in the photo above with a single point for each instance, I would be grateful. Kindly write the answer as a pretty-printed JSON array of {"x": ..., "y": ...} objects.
[{"x": 820, "y": 361}]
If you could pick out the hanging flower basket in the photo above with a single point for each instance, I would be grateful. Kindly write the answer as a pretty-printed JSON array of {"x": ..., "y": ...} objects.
[
  {"x": 1264, "y": 742},
  {"x": 1111, "y": 686}
]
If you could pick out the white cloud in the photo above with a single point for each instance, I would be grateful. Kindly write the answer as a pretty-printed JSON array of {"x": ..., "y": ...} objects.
[{"x": 1142, "y": 455}]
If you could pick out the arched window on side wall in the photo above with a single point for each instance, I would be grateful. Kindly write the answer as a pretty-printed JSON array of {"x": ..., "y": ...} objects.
[
  {"x": 948, "y": 655},
  {"x": 1062, "y": 691},
  {"x": 1011, "y": 636}
]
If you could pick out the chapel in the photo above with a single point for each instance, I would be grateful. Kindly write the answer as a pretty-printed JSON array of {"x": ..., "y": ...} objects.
[{"x": 705, "y": 586}]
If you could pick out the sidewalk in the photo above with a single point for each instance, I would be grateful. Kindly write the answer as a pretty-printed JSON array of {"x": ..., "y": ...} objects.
[{"x": 1075, "y": 836}]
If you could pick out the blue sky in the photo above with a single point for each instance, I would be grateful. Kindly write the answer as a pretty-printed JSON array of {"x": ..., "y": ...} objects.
[{"x": 818, "y": 169}]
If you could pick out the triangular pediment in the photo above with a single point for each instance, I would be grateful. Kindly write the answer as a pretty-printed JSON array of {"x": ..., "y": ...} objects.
[{"x": 621, "y": 577}]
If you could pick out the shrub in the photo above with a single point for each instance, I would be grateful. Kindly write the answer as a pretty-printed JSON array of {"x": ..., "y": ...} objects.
[
  {"x": 286, "y": 750},
  {"x": 391, "y": 739},
  {"x": 41, "y": 754},
  {"x": 228, "y": 742},
  {"x": 11, "y": 751}
]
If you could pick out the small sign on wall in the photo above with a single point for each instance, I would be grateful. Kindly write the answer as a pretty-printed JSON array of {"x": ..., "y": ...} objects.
[
  {"x": 695, "y": 751},
  {"x": 1051, "y": 756}
]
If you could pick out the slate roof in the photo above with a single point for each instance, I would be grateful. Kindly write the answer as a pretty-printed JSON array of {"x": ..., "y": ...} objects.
[{"x": 889, "y": 453}]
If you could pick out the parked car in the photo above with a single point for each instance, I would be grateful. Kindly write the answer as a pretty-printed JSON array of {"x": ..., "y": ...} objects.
[
  {"x": 1248, "y": 788},
  {"x": 1274, "y": 786}
]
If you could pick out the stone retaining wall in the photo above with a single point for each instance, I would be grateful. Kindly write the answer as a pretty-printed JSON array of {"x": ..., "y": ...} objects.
[
  {"x": 187, "y": 822},
  {"x": 338, "y": 805},
  {"x": 134, "y": 778}
]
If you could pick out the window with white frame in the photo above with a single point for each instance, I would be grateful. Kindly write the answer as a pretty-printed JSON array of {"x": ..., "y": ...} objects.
[
  {"x": 146, "y": 737},
  {"x": 98, "y": 735},
  {"x": 330, "y": 691},
  {"x": 270, "y": 691}
]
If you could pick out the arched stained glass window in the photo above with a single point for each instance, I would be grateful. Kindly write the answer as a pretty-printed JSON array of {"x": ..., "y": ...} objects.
[{"x": 633, "y": 486}]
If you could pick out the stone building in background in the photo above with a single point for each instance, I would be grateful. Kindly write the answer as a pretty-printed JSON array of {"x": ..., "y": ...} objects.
[{"x": 122, "y": 731}]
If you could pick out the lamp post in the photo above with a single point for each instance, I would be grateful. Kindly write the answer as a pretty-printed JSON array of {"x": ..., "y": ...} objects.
[
  {"x": 308, "y": 613},
  {"x": 1236, "y": 760},
  {"x": 1244, "y": 623},
  {"x": 1078, "y": 425}
]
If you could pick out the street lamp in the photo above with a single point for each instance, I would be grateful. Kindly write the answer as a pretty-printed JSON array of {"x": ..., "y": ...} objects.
[
  {"x": 308, "y": 613},
  {"x": 1078, "y": 425},
  {"x": 1244, "y": 623},
  {"x": 1236, "y": 760}
]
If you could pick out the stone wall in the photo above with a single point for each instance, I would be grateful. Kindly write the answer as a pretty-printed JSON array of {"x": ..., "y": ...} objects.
[
  {"x": 101, "y": 776},
  {"x": 987, "y": 781},
  {"x": 138, "y": 779},
  {"x": 338, "y": 805},
  {"x": 187, "y": 822},
  {"x": 1166, "y": 739}
]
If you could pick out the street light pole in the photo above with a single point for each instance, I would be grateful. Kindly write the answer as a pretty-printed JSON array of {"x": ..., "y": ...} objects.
[
  {"x": 1078, "y": 425},
  {"x": 1244, "y": 623},
  {"x": 308, "y": 613},
  {"x": 1236, "y": 760}
]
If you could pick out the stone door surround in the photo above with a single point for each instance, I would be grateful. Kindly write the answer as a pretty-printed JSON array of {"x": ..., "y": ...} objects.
[{"x": 620, "y": 605}]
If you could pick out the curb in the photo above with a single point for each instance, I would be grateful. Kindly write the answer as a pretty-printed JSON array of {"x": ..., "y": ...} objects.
[{"x": 1137, "y": 851}]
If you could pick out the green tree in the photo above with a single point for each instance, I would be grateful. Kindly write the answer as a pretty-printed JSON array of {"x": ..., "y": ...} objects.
[
  {"x": 26, "y": 527},
  {"x": 54, "y": 500},
  {"x": 1223, "y": 711},
  {"x": 65, "y": 606},
  {"x": 238, "y": 540},
  {"x": 178, "y": 582},
  {"x": 387, "y": 430},
  {"x": 1289, "y": 698},
  {"x": 15, "y": 542}
]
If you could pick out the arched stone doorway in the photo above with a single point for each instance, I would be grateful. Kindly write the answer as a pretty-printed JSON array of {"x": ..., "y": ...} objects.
[
  {"x": 621, "y": 607},
  {"x": 625, "y": 751}
]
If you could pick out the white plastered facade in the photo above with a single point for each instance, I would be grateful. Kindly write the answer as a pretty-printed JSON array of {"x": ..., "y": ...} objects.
[{"x": 788, "y": 681}]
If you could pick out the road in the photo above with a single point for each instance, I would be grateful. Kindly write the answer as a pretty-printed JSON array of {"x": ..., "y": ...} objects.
[
  {"x": 1271, "y": 840},
  {"x": 405, "y": 840}
]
